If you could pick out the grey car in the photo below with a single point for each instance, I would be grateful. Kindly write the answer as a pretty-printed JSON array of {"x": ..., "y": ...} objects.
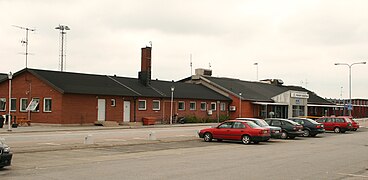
[{"x": 275, "y": 131}]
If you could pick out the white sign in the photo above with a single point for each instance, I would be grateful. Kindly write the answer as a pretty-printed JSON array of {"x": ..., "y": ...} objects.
[
  {"x": 300, "y": 95},
  {"x": 33, "y": 105}
]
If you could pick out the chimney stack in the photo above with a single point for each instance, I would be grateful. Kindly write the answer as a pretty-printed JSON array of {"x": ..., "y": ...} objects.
[{"x": 144, "y": 75}]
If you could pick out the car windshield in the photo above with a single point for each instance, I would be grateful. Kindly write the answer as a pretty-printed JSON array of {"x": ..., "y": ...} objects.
[{"x": 252, "y": 124}]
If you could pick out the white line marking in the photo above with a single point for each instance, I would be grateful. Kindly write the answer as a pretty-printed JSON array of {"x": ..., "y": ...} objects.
[
  {"x": 354, "y": 175},
  {"x": 53, "y": 144}
]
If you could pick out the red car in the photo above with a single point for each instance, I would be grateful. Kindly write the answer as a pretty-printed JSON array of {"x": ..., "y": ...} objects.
[
  {"x": 336, "y": 124},
  {"x": 353, "y": 123},
  {"x": 238, "y": 130}
]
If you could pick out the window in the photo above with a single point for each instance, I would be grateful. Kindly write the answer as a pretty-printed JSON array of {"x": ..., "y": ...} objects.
[
  {"x": 47, "y": 104},
  {"x": 34, "y": 105},
  {"x": 13, "y": 104},
  {"x": 222, "y": 106},
  {"x": 213, "y": 106},
  {"x": 2, "y": 104},
  {"x": 156, "y": 105},
  {"x": 23, "y": 104},
  {"x": 142, "y": 105},
  {"x": 276, "y": 123},
  {"x": 298, "y": 111},
  {"x": 226, "y": 125},
  {"x": 113, "y": 102},
  {"x": 203, "y": 106},
  {"x": 181, "y": 105},
  {"x": 192, "y": 106},
  {"x": 238, "y": 125}
]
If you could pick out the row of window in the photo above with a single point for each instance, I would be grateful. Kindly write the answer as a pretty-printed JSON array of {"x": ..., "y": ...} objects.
[
  {"x": 142, "y": 105},
  {"x": 24, "y": 106}
]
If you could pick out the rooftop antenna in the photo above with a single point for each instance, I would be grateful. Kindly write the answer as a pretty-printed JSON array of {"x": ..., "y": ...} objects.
[
  {"x": 63, "y": 30},
  {"x": 191, "y": 66},
  {"x": 25, "y": 41}
]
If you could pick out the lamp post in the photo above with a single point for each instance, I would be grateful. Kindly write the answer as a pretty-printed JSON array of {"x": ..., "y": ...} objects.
[
  {"x": 218, "y": 111},
  {"x": 171, "y": 106},
  {"x": 256, "y": 64},
  {"x": 10, "y": 77},
  {"x": 350, "y": 106},
  {"x": 240, "y": 99},
  {"x": 62, "y": 29}
]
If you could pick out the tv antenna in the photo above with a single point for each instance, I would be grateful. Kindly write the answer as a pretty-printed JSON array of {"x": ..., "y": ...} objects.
[
  {"x": 63, "y": 30},
  {"x": 25, "y": 41}
]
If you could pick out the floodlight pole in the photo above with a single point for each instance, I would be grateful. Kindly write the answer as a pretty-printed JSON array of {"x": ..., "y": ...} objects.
[
  {"x": 350, "y": 106},
  {"x": 63, "y": 30}
]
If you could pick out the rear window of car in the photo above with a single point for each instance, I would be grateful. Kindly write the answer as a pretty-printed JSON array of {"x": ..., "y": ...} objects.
[
  {"x": 339, "y": 120},
  {"x": 252, "y": 124}
]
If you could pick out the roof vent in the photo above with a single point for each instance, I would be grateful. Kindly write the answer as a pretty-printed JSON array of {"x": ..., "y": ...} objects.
[{"x": 203, "y": 72}]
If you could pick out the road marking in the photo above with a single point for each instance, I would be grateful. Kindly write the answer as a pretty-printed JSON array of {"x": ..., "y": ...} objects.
[
  {"x": 53, "y": 144},
  {"x": 181, "y": 135},
  {"x": 353, "y": 175},
  {"x": 138, "y": 138},
  {"x": 115, "y": 140}
]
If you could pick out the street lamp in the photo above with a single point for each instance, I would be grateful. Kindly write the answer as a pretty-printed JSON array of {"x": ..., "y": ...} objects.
[
  {"x": 240, "y": 99},
  {"x": 350, "y": 106},
  {"x": 256, "y": 64},
  {"x": 10, "y": 77},
  {"x": 171, "y": 107}
]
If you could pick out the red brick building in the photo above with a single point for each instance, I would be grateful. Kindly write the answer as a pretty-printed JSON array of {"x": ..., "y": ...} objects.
[{"x": 73, "y": 98}]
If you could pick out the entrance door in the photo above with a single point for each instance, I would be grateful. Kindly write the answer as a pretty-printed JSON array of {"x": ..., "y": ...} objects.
[
  {"x": 126, "y": 111},
  {"x": 101, "y": 110}
]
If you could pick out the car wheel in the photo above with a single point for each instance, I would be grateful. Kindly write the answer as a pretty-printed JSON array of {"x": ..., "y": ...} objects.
[
  {"x": 292, "y": 137},
  {"x": 313, "y": 135},
  {"x": 306, "y": 133},
  {"x": 343, "y": 131},
  {"x": 207, "y": 137},
  {"x": 355, "y": 129},
  {"x": 245, "y": 139},
  {"x": 337, "y": 130},
  {"x": 284, "y": 135}
]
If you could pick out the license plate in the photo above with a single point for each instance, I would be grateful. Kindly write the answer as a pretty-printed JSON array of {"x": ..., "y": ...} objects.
[
  {"x": 299, "y": 130},
  {"x": 277, "y": 131}
]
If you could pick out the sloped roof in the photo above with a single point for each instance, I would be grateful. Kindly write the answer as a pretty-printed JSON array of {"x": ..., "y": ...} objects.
[
  {"x": 78, "y": 83},
  {"x": 3, "y": 77},
  {"x": 259, "y": 91}
]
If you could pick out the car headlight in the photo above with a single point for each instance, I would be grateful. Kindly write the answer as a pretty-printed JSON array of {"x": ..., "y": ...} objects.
[{"x": 6, "y": 149}]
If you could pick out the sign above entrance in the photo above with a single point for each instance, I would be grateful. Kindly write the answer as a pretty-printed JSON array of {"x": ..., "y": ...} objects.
[{"x": 300, "y": 95}]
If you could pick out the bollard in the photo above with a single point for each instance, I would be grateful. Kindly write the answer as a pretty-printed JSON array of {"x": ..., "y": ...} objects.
[
  {"x": 88, "y": 139},
  {"x": 152, "y": 136}
]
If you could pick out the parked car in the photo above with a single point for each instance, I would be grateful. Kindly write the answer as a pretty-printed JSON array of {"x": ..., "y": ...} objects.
[
  {"x": 290, "y": 129},
  {"x": 238, "y": 130},
  {"x": 336, "y": 124},
  {"x": 310, "y": 117},
  {"x": 354, "y": 124},
  {"x": 5, "y": 155},
  {"x": 275, "y": 131},
  {"x": 310, "y": 127}
]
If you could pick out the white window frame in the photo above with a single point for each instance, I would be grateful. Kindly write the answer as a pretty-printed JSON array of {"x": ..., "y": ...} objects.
[
  {"x": 183, "y": 102},
  {"x": 205, "y": 106},
  {"x": 159, "y": 105},
  {"x": 3, "y": 100},
  {"x": 44, "y": 105},
  {"x": 21, "y": 105},
  {"x": 11, "y": 104},
  {"x": 145, "y": 105},
  {"x": 195, "y": 106},
  {"x": 213, "y": 103},
  {"x": 113, "y": 102},
  {"x": 222, "y": 106}
]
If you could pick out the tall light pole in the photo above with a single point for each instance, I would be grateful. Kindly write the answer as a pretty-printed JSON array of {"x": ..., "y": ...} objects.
[
  {"x": 10, "y": 77},
  {"x": 240, "y": 102},
  {"x": 63, "y": 30},
  {"x": 350, "y": 106},
  {"x": 256, "y": 64},
  {"x": 171, "y": 107},
  {"x": 218, "y": 111}
]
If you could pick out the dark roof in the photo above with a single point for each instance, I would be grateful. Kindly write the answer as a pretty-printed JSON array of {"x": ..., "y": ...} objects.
[
  {"x": 78, "y": 83},
  {"x": 260, "y": 91},
  {"x": 3, "y": 77}
]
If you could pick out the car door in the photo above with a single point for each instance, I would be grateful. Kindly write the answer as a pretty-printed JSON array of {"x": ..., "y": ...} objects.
[
  {"x": 237, "y": 130},
  {"x": 329, "y": 123},
  {"x": 223, "y": 131}
]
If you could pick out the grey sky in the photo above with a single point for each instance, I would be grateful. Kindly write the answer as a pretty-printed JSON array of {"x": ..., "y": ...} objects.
[{"x": 296, "y": 41}]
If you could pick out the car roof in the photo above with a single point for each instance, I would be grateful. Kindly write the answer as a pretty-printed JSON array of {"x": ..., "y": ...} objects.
[{"x": 288, "y": 120}]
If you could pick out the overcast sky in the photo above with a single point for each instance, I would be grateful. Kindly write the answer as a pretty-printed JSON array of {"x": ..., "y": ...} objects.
[{"x": 296, "y": 41}]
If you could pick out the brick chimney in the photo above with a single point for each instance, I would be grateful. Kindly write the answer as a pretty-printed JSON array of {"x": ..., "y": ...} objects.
[{"x": 144, "y": 75}]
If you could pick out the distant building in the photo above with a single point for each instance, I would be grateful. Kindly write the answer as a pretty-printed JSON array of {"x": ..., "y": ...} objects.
[
  {"x": 359, "y": 107},
  {"x": 267, "y": 98}
]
